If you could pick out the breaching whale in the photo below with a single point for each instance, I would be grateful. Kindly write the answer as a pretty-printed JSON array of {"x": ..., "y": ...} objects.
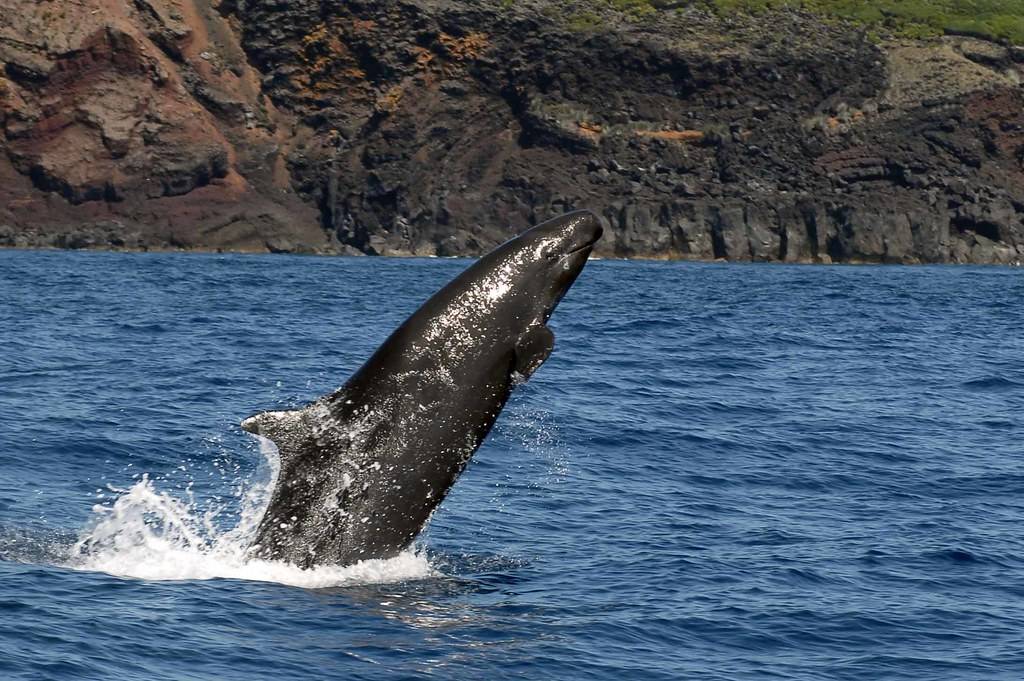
[{"x": 362, "y": 469}]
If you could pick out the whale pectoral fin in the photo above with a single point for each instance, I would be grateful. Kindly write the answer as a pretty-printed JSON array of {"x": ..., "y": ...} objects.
[{"x": 533, "y": 348}]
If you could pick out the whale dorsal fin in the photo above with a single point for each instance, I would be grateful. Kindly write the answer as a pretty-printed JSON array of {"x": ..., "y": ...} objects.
[
  {"x": 533, "y": 348},
  {"x": 285, "y": 428}
]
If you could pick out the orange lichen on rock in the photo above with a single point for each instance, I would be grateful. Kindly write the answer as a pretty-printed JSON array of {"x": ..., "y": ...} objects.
[
  {"x": 673, "y": 135},
  {"x": 424, "y": 57},
  {"x": 468, "y": 47},
  {"x": 388, "y": 102},
  {"x": 353, "y": 73},
  {"x": 316, "y": 36},
  {"x": 590, "y": 130},
  {"x": 328, "y": 61}
]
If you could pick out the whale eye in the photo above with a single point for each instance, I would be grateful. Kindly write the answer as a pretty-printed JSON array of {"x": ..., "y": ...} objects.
[{"x": 550, "y": 251}]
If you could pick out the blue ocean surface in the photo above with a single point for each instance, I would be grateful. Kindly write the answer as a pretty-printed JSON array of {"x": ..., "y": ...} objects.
[{"x": 722, "y": 472}]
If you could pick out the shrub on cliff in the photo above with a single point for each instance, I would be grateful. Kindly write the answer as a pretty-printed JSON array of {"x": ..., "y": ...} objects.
[{"x": 1001, "y": 20}]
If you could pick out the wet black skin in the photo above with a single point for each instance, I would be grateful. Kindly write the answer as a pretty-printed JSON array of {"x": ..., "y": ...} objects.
[{"x": 363, "y": 468}]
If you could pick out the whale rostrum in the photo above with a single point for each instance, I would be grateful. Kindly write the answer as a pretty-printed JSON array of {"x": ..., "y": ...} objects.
[{"x": 362, "y": 469}]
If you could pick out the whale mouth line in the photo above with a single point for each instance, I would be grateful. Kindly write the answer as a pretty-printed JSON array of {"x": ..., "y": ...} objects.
[{"x": 580, "y": 248}]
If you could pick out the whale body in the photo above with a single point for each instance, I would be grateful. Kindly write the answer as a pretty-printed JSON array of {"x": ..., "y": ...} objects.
[{"x": 363, "y": 468}]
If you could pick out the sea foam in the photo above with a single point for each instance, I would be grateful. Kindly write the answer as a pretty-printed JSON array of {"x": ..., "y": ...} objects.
[{"x": 146, "y": 533}]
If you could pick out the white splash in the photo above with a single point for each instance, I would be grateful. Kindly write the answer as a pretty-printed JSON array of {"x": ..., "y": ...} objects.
[{"x": 150, "y": 534}]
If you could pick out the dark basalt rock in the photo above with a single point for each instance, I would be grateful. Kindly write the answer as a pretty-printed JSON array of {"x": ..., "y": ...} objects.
[{"x": 442, "y": 128}]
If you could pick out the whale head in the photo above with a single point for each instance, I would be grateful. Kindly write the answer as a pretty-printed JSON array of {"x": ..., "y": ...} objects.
[
  {"x": 494, "y": 314},
  {"x": 525, "y": 278}
]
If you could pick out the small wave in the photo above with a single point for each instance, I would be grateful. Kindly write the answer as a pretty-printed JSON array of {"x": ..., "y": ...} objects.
[
  {"x": 874, "y": 557},
  {"x": 772, "y": 537},
  {"x": 956, "y": 555},
  {"x": 805, "y": 575},
  {"x": 997, "y": 424},
  {"x": 961, "y": 555},
  {"x": 992, "y": 383},
  {"x": 953, "y": 555},
  {"x": 150, "y": 534},
  {"x": 143, "y": 327}
]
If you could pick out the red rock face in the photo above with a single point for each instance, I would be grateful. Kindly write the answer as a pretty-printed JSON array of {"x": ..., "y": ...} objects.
[
  {"x": 1000, "y": 113},
  {"x": 99, "y": 120},
  {"x": 117, "y": 127}
]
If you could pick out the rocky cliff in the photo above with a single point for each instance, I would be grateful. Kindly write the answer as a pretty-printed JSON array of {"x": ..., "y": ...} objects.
[{"x": 440, "y": 128}]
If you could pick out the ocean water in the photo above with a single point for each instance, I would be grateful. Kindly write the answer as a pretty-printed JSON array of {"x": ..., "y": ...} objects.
[{"x": 723, "y": 472}]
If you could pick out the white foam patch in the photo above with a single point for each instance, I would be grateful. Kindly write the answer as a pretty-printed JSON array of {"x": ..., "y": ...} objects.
[{"x": 149, "y": 534}]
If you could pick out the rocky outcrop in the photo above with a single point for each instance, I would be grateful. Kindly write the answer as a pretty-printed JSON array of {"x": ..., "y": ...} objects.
[
  {"x": 441, "y": 128},
  {"x": 121, "y": 130}
]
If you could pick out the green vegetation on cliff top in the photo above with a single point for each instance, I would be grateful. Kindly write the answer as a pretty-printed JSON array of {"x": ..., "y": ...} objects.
[{"x": 994, "y": 19}]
